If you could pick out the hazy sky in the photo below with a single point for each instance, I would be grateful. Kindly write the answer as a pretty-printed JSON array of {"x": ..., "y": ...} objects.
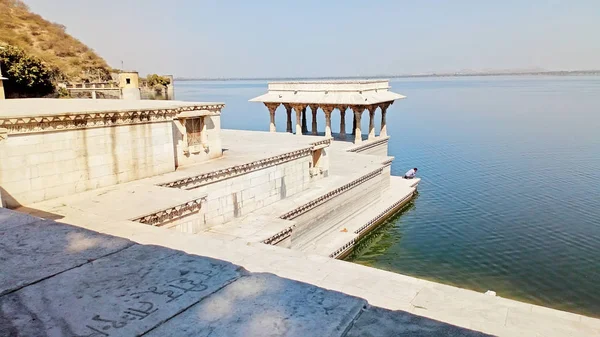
[{"x": 309, "y": 38}]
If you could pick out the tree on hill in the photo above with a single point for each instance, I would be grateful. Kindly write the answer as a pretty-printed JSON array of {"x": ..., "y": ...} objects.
[
  {"x": 50, "y": 43},
  {"x": 27, "y": 75},
  {"x": 157, "y": 80}
]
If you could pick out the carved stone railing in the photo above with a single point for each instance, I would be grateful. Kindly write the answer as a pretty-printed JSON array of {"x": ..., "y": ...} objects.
[
  {"x": 237, "y": 170},
  {"x": 368, "y": 226},
  {"x": 83, "y": 120},
  {"x": 369, "y": 144},
  {"x": 343, "y": 249},
  {"x": 382, "y": 215},
  {"x": 229, "y": 172},
  {"x": 296, "y": 212},
  {"x": 170, "y": 214},
  {"x": 97, "y": 85},
  {"x": 281, "y": 235}
]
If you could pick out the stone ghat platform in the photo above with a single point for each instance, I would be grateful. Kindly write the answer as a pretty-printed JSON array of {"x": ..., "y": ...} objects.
[
  {"x": 258, "y": 192},
  {"x": 99, "y": 277},
  {"x": 330, "y": 216}
]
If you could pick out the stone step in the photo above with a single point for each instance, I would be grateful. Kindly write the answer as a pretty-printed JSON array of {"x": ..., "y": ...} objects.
[
  {"x": 331, "y": 225},
  {"x": 329, "y": 238}
]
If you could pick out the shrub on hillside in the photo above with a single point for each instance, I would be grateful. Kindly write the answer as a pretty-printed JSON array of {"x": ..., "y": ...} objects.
[{"x": 27, "y": 75}]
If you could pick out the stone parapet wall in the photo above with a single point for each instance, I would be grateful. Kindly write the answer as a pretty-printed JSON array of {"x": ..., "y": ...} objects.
[
  {"x": 376, "y": 147},
  {"x": 53, "y": 148},
  {"x": 46, "y": 165},
  {"x": 242, "y": 194}
]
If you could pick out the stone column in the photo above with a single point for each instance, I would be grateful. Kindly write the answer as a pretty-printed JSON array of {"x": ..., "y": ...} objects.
[
  {"x": 358, "y": 110},
  {"x": 327, "y": 109},
  {"x": 372, "y": 121},
  {"x": 342, "y": 122},
  {"x": 304, "y": 126},
  {"x": 298, "y": 109},
  {"x": 384, "y": 107},
  {"x": 288, "y": 110},
  {"x": 313, "y": 109},
  {"x": 272, "y": 107},
  {"x": 353, "y": 126}
]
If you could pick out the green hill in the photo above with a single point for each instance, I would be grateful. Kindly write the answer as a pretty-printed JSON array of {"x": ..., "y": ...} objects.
[{"x": 48, "y": 41}]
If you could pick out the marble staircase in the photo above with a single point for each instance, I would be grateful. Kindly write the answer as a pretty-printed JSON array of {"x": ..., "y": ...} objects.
[{"x": 336, "y": 234}]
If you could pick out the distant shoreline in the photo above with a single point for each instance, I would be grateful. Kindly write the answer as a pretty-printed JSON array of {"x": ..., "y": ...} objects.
[{"x": 530, "y": 73}]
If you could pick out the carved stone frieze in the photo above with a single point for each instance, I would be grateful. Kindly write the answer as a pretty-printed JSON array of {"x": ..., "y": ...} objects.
[
  {"x": 316, "y": 202},
  {"x": 69, "y": 121},
  {"x": 229, "y": 172},
  {"x": 172, "y": 213}
]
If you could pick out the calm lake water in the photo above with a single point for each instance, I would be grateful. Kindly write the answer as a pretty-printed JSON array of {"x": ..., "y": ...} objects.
[{"x": 510, "y": 191}]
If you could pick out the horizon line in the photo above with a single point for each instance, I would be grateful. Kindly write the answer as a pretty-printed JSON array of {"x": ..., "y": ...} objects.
[{"x": 454, "y": 74}]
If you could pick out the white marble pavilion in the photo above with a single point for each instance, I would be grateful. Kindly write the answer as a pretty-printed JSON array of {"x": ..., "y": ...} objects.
[{"x": 358, "y": 96}]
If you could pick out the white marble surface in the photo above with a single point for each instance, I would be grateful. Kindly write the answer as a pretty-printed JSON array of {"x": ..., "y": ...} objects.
[
  {"x": 34, "y": 250},
  {"x": 65, "y": 304},
  {"x": 266, "y": 305},
  {"x": 123, "y": 294}
]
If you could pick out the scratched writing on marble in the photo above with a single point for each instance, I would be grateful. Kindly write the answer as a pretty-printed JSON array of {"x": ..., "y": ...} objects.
[{"x": 148, "y": 301}]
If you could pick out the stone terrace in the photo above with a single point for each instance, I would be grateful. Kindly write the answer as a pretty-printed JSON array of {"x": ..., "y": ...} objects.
[{"x": 95, "y": 277}]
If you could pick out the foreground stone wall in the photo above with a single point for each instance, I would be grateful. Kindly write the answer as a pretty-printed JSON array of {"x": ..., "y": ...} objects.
[{"x": 46, "y": 165}]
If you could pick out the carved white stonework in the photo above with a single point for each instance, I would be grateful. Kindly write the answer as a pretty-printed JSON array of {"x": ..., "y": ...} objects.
[
  {"x": 172, "y": 213},
  {"x": 368, "y": 94},
  {"x": 229, "y": 172},
  {"x": 327, "y": 109},
  {"x": 70, "y": 121},
  {"x": 272, "y": 107},
  {"x": 298, "y": 108}
]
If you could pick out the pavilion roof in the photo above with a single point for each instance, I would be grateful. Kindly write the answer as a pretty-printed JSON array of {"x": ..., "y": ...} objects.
[{"x": 360, "y": 92}]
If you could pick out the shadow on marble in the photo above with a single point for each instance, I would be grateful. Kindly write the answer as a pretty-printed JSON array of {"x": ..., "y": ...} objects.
[{"x": 107, "y": 286}]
